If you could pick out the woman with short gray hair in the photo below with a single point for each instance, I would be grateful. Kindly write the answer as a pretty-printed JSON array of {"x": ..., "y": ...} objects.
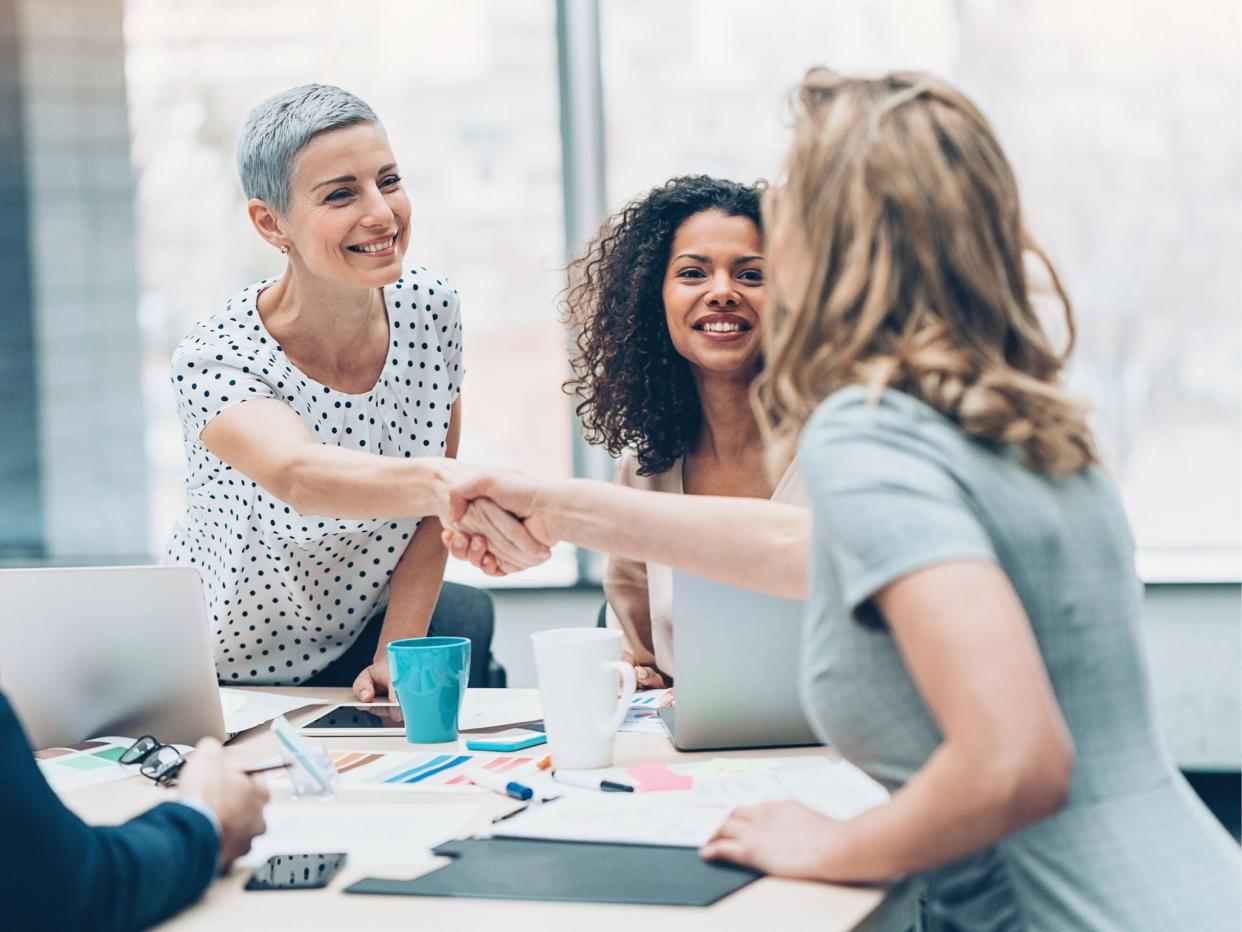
[{"x": 312, "y": 507}]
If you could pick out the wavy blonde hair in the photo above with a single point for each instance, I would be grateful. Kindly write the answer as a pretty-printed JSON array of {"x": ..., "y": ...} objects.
[{"x": 897, "y": 250}]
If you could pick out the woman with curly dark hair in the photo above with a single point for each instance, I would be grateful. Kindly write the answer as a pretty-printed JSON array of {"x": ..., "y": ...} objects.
[{"x": 667, "y": 302}]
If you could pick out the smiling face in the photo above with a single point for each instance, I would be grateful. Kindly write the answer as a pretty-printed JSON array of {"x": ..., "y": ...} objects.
[
  {"x": 349, "y": 216},
  {"x": 714, "y": 293}
]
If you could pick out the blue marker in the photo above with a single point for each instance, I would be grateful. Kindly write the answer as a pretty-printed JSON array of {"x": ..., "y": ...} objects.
[{"x": 497, "y": 783}]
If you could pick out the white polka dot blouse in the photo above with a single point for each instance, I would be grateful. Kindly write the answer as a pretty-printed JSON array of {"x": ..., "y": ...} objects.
[{"x": 288, "y": 593}]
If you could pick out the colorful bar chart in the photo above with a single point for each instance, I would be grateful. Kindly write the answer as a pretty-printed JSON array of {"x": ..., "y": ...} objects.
[
  {"x": 86, "y": 763},
  {"x": 414, "y": 771}
]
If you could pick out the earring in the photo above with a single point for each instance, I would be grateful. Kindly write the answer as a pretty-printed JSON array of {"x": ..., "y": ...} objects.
[{"x": 284, "y": 250}]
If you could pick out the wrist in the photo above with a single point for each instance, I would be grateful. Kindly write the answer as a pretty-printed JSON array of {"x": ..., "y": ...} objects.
[
  {"x": 397, "y": 631},
  {"x": 831, "y": 859},
  {"x": 549, "y": 505},
  {"x": 844, "y": 858},
  {"x": 201, "y": 806},
  {"x": 432, "y": 483}
]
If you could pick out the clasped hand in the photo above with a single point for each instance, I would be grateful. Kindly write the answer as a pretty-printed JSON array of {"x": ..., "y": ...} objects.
[{"x": 493, "y": 521}]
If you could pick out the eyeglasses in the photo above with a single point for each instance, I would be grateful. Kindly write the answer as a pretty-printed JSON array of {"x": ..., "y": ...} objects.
[{"x": 158, "y": 761}]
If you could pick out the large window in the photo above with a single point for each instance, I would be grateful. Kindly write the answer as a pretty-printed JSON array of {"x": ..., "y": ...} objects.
[
  {"x": 1122, "y": 120},
  {"x": 468, "y": 94}
]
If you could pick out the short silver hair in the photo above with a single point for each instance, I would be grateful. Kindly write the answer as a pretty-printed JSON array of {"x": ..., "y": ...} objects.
[{"x": 282, "y": 126}]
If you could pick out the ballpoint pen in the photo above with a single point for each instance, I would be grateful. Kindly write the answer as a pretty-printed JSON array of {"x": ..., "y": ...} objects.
[{"x": 254, "y": 771}]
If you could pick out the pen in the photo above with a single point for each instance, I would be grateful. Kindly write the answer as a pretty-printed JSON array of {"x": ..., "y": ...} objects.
[
  {"x": 498, "y": 783},
  {"x": 509, "y": 815},
  {"x": 270, "y": 767},
  {"x": 586, "y": 781}
]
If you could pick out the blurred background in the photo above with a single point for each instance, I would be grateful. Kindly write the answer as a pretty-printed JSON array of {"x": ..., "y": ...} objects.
[{"x": 518, "y": 125}]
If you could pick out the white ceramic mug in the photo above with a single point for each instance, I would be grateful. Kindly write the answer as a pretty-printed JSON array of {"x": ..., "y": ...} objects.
[{"x": 578, "y": 670}]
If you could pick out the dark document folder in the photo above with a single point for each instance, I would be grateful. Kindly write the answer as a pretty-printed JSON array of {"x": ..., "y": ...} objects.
[{"x": 530, "y": 869}]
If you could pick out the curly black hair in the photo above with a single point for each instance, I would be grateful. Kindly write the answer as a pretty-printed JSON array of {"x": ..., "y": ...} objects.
[{"x": 634, "y": 389}]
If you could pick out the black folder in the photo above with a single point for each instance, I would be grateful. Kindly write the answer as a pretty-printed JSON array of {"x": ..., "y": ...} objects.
[{"x": 583, "y": 872}]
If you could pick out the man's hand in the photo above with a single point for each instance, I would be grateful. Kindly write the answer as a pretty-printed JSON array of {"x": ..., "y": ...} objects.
[{"x": 236, "y": 799}]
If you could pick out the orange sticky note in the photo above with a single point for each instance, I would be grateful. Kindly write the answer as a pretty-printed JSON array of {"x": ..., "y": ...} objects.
[{"x": 654, "y": 777}]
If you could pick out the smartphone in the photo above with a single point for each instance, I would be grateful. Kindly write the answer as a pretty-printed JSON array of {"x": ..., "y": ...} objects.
[
  {"x": 296, "y": 871},
  {"x": 512, "y": 739}
]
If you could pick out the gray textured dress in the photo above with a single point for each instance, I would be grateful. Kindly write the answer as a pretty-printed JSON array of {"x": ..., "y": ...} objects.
[{"x": 895, "y": 487}]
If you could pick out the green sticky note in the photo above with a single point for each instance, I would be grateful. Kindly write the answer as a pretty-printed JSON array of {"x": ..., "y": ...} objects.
[
  {"x": 112, "y": 754},
  {"x": 85, "y": 762}
]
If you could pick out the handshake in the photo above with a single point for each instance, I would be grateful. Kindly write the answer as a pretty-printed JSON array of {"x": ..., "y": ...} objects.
[{"x": 498, "y": 519}]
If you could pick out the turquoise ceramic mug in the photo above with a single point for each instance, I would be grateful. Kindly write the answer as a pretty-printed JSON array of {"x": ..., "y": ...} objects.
[{"x": 428, "y": 677}]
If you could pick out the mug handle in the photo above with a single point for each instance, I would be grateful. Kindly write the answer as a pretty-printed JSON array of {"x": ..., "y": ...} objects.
[{"x": 629, "y": 682}]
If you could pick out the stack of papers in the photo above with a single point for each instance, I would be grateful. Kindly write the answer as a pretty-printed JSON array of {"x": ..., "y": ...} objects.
[{"x": 683, "y": 804}]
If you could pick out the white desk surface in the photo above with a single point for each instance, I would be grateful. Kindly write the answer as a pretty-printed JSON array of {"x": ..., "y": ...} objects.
[{"x": 766, "y": 904}]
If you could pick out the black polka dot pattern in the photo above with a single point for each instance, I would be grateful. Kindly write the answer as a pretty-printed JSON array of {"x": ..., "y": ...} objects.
[{"x": 288, "y": 593}]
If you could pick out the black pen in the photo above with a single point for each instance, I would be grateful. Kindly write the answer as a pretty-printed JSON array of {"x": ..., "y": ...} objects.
[
  {"x": 510, "y": 815},
  {"x": 270, "y": 767},
  {"x": 589, "y": 782}
]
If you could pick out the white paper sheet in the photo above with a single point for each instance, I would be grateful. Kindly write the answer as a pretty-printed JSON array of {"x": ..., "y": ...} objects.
[
  {"x": 491, "y": 708},
  {"x": 675, "y": 819},
  {"x": 244, "y": 709},
  {"x": 372, "y": 835},
  {"x": 837, "y": 789}
]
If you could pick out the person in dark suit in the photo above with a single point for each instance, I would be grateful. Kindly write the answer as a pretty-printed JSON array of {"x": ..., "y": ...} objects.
[{"x": 57, "y": 872}]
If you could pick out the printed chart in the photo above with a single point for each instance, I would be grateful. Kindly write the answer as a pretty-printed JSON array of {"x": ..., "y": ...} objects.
[
  {"x": 643, "y": 715},
  {"x": 87, "y": 763},
  {"x": 374, "y": 770}
]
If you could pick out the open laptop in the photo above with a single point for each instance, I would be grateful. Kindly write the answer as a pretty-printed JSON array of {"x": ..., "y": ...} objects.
[
  {"x": 737, "y": 655},
  {"x": 90, "y": 651}
]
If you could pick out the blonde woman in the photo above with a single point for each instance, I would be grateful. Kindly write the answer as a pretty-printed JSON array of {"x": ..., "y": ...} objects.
[{"x": 973, "y": 633}]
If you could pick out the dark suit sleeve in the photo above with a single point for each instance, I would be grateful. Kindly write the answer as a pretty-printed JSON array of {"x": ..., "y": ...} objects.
[{"x": 60, "y": 873}]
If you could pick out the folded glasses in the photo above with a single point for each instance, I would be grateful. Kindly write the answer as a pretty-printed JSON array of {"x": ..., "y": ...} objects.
[{"x": 157, "y": 761}]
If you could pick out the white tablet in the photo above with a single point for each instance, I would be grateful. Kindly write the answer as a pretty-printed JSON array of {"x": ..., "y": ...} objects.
[{"x": 352, "y": 719}]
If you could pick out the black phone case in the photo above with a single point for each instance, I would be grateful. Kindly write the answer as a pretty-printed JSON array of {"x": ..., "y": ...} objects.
[{"x": 301, "y": 873}]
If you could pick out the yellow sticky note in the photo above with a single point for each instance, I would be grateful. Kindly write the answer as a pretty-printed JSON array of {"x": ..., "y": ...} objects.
[
  {"x": 231, "y": 702},
  {"x": 727, "y": 766}
]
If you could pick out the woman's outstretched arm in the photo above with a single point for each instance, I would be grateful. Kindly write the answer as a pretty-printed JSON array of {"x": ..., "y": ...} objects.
[
  {"x": 747, "y": 542},
  {"x": 266, "y": 441}
]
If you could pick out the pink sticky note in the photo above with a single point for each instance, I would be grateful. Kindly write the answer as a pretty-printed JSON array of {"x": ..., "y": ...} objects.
[{"x": 654, "y": 777}]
